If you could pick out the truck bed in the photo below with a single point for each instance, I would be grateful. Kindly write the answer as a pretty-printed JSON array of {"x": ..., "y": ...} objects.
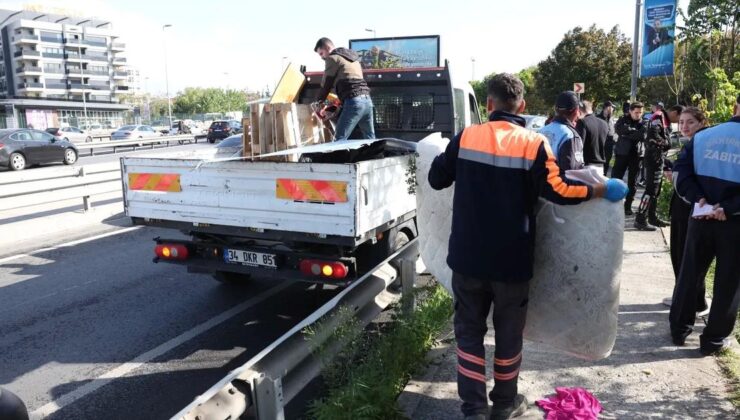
[{"x": 257, "y": 195}]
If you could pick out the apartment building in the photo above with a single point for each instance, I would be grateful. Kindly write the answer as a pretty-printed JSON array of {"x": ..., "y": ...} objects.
[{"x": 60, "y": 70}]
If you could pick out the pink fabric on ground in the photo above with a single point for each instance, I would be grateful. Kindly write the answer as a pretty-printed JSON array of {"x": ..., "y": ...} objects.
[{"x": 571, "y": 404}]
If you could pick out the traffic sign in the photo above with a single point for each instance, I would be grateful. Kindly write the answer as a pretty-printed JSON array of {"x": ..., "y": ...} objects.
[{"x": 579, "y": 87}]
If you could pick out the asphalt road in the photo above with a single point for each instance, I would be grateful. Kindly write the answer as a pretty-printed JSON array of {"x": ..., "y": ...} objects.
[{"x": 96, "y": 330}]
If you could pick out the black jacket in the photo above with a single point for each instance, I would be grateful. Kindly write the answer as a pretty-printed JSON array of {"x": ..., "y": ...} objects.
[
  {"x": 657, "y": 134},
  {"x": 499, "y": 170},
  {"x": 631, "y": 134},
  {"x": 593, "y": 131}
]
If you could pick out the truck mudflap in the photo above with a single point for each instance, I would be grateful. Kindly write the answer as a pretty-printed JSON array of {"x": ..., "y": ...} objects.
[{"x": 258, "y": 261}]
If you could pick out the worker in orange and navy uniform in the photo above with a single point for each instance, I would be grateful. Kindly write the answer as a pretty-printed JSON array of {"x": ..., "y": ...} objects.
[{"x": 500, "y": 169}]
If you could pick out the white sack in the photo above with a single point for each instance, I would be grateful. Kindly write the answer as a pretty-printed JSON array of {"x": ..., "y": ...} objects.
[{"x": 574, "y": 294}]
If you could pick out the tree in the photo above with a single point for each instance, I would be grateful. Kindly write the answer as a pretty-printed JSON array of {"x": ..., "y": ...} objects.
[
  {"x": 535, "y": 102},
  {"x": 210, "y": 100},
  {"x": 602, "y": 60}
]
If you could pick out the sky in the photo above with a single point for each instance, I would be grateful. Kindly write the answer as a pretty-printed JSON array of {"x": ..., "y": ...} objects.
[{"x": 246, "y": 44}]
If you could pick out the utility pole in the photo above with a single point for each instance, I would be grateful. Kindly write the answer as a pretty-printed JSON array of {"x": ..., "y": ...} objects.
[
  {"x": 636, "y": 51},
  {"x": 166, "y": 77},
  {"x": 82, "y": 74},
  {"x": 472, "y": 62}
]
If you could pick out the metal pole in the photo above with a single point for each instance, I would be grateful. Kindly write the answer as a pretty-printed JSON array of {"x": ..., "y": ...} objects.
[
  {"x": 166, "y": 78},
  {"x": 472, "y": 61},
  {"x": 82, "y": 73},
  {"x": 636, "y": 52}
]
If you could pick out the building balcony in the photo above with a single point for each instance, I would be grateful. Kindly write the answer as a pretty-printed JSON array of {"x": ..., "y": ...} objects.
[
  {"x": 97, "y": 57},
  {"x": 53, "y": 70},
  {"x": 57, "y": 86},
  {"x": 95, "y": 43},
  {"x": 96, "y": 73},
  {"x": 78, "y": 86},
  {"x": 28, "y": 70},
  {"x": 100, "y": 87},
  {"x": 53, "y": 55},
  {"x": 123, "y": 88},
  {"x": 118, "y": 46},
  {"x": 73, "y": 71},
  {"x": 26, "y": 39},
  {"x": 71, "y": 42},
  {"x": 119, "y": 60},
  {"x": 31, "y": 86},
  {"x": 120, "y": 75},
  {"x": 24, "y": 54},
  {"x": 52, "y": 39}
]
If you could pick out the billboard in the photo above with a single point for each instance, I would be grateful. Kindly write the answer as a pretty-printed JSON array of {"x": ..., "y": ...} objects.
[
  {"x": 398, "y": 52},
  {"x": 659, "y": 30}
]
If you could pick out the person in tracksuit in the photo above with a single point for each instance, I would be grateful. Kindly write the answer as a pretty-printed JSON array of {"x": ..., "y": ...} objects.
[
  {"x": 499, "y": 169},
  {"x": 709, "y": 174},
  {"x": 566, "y": 143},
  {"x": 657, "y": 143}
]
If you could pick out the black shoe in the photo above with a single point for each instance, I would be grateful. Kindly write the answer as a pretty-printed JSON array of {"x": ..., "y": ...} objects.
[
  {"x": 659, "y": 223},
  {"x": 519, "y": 407},
  {"x": 476, "y": 417},
  {"x": 678, "y": 340},
  {"x": 628, "y": 212},
  {"x": 642, "y": 224},
  {"x": 711, "y": 349}
]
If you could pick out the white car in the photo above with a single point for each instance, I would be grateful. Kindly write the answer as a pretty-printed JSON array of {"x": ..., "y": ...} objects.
[
  {"x": 130, "y": 132},
  {"x": 73, "y": 134}
]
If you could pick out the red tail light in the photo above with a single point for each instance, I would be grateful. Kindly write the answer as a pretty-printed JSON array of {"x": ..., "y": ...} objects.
[
  {"x": 171, "y": 251},
  {"x": 1, "y": 145},
  {"x": 326, "y": 269}
]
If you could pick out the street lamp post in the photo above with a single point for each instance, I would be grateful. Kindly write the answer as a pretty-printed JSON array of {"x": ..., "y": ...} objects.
[
  {"x": 166, "y": 77},
  {"x": 472, "y": 62},
  {"x": 636, "y": 52},
  {"x": 375, "y": 35}
]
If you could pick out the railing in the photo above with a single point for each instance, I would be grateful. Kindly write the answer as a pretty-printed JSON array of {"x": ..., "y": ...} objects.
[
  {"x": 52, "y": 39},
  {"x": 27, "y": 37},
  {"x": 120, "y": 74},
  {"x": 30, "y": 85},
  {"x": 27, "y": 69},
  {"x": 97, "y": 57},
  {"x": 133, "y": 144},
  {"x": 265, "y": 384},
  {"x": 119, "y": 60},
  {"x": 53, "y": 55},
  {"x": 95, "y": 43},
  {"x": 27, "y": 52},
  {"x": 56, "y": 85},
  {"x": 121, "y": 87},
  {"x": 97, "y": 73},
  {"x": 118, "y": 46}
]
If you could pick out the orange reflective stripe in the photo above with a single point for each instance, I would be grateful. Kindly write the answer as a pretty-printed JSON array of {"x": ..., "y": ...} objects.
[
  {"x": 505, "y": 376},
  {"x": 556, "y": 182},
  {"x": 501, "y": 138},
  {"x": 471, "y": 374},
  {"x": 471, "y": 358},
  {"x": 508, "y": 362},
  {"x": 311, "y": 190},
  {"x": 154, "y": 182}
]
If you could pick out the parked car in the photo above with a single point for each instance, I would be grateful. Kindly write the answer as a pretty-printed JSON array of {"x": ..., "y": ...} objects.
[
  {"x": 219, "y": 130},
  {"x": 230, "y": 146},
  {"x": 22, "y": 147},
  {"x": 535, "y": 122},
  {"x": 130, "y": 132},
  {"x": 72, "y": 134}
]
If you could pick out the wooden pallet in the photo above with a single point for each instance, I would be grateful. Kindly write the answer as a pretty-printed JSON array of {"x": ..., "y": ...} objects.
[{"x": 282, "y": 126}]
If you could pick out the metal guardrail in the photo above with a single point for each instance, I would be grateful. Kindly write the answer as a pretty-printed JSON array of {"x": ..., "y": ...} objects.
[
  {"x": 265, "y": 384},
  {"x": 33, "y": 188},
  {"x": 133, "y": 144}
]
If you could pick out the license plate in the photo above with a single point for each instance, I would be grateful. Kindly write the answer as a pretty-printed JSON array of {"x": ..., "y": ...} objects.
[{"x": 252, "y": 259}]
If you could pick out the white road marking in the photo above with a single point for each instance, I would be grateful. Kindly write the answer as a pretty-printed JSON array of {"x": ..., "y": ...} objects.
[
  {"x": 68, "y": 244},
  {"x": 150, "y": 355}
]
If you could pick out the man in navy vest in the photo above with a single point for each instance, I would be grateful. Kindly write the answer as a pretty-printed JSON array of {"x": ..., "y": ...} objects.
[{"x": 709, "y": 175}]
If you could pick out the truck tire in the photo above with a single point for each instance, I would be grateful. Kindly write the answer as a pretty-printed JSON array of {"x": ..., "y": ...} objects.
[{"x": 231, "y": 279}]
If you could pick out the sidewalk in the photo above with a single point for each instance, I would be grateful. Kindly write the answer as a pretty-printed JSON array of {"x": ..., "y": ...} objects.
[{"x": 645, "y": 377}]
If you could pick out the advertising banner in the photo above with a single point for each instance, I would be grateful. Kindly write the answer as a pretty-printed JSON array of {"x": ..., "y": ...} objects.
[
  {"x": 399, "y": 52},
  {"x": 659, "y": 31}
]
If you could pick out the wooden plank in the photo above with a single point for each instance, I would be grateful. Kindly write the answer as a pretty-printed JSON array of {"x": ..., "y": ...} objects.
[
  {"x": 289, "y": 86},
  {"x": 267, "y": 129},
  {"x": 246, "y": 139},
  {"x": 256, "y": 111}
]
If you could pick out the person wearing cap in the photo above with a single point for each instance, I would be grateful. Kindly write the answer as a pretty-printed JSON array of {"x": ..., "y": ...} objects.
[
  {"x": 709, "y": 177},
  {"x": 656, "y": 145},
  {"x": 631, "y": 130},
  {"x": 499, "y": 169},
  {"x": 593, "y": 131},
  {"x": 607, "y": 114},
  {"x": 564, "y": 140}
]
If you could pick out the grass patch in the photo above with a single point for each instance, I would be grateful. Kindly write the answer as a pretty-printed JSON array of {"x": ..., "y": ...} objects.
[
  {"x": 729, "y": 361},
  {"x": 364, "y": 380}
]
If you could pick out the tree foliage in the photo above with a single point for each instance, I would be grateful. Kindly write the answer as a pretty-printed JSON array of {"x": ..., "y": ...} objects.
[
  {"x": 602, "y": 60},
  {"x": 207, "y": 100}
]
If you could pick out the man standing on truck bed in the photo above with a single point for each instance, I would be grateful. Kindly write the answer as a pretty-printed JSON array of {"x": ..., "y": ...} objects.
[
  {"x": 500, "y": 169},
  {"x": 344, "y": 71}
]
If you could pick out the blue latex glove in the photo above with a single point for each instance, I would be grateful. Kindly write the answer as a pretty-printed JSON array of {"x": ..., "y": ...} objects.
[{"x": 616, "y": 190}]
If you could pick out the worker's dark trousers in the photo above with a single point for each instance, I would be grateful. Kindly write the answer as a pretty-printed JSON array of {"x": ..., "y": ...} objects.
[
  {"x": 680, "y": 215},
  {"x": 608, "y": 153},
  {"x": 706, "y": 240},
  {"x": 621, "y": 164},
  {"x": 473, "y": 299},
  {"x": 653, "y": 166}
]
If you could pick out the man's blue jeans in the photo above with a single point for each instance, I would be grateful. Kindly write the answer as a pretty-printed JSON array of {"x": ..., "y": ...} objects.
[{"x": 356, "y": 112}]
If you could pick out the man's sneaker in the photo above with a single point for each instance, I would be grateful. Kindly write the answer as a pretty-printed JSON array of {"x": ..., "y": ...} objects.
[
  {"x": 712, "y": 348},
  {"x": 659, "y": 223},
  {"x": 642, "y": 224},
  {"x": 519, "y": 407},
  {"x": 628, "y": 211}
]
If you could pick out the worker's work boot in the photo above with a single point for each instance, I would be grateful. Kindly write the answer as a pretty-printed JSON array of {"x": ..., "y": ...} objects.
[
  {"x": 502, "y": 412},
  {"x": 628, "y": 208},
  {"x": 642, "y": 224},
  {"x": 653, "y": 215}
]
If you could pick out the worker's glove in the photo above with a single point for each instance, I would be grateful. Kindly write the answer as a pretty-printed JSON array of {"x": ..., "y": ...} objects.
[{"x": 616, "y": 190}]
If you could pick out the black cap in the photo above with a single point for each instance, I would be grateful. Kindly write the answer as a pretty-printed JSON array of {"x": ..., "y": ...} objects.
[
  {"x": 567, "y": 100},
  {"x": 608, "y": 103}
]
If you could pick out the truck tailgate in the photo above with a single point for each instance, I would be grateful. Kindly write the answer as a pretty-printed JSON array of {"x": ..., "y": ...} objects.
[{"x": 313, "y": 198}]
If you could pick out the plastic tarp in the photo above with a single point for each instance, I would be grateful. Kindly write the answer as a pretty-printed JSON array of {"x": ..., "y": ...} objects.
[{"x": 574, "y": 294}]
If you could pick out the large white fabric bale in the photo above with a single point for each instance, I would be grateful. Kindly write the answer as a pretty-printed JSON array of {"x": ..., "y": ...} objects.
[{"x": 574, "y": 294}]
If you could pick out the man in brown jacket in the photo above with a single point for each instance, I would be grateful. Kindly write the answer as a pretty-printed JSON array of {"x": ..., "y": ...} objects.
[{"x": 343, "y": 72}]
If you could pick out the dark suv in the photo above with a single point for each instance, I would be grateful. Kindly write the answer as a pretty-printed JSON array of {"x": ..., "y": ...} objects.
[{"x": 219, "y": 130}]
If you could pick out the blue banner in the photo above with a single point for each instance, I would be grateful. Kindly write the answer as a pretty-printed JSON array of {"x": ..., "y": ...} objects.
[
  {"x": 401, "y": 52},
  {"x": 659, "y": 31}
]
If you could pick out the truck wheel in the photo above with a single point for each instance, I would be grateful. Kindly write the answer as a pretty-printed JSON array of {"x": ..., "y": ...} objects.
[
  {"x": 231, "y": 279},
  {"x": 399, "y": 240}
]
